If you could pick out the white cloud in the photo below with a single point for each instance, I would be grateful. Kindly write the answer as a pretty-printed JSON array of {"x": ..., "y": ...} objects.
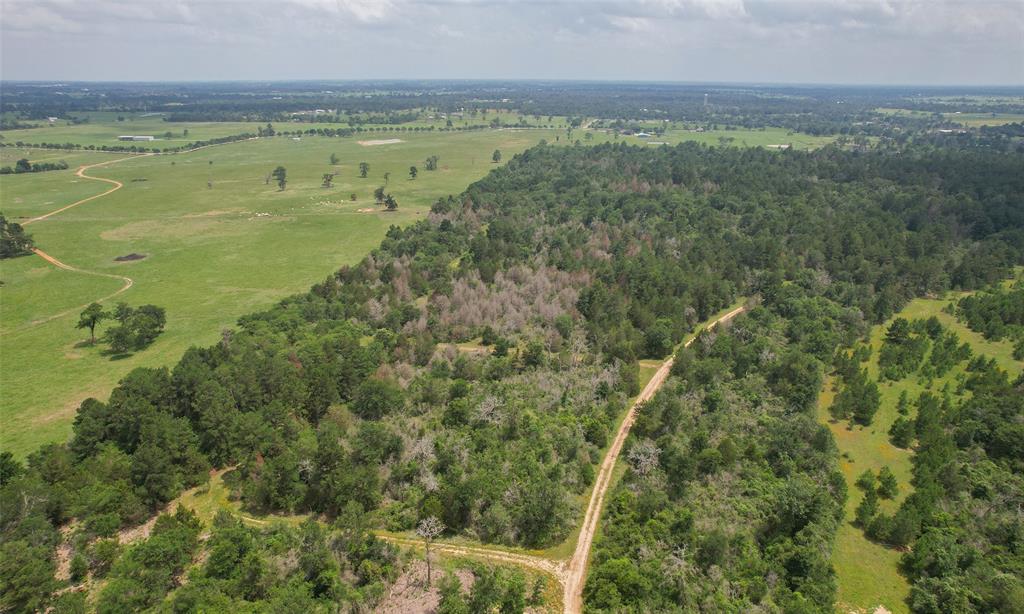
[{"x": 801, "y": 40}]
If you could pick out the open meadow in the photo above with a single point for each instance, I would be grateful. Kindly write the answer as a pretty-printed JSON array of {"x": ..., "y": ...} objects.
[
  {"x": 104, "y": 128},
  {"x": 867, "y": 572},
  {"x": 968, "y": 120}
]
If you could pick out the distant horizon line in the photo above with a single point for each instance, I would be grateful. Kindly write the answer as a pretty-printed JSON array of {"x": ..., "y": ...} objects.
[{"x": 795, "y": 84}]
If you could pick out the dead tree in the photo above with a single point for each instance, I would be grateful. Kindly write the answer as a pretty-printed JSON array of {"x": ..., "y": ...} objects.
[{"x": 429, "y": 529}]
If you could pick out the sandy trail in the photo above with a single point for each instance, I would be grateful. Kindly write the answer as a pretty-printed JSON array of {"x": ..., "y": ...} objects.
[
  {"x": 571, "y": 573},
  {"x": 127, "y": 281},
  {"x": 81, "y": 173},
  {"x": 577, "y": 565}
]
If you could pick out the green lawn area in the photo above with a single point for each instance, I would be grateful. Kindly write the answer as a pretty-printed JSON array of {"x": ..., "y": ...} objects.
[
  {"x": 867, "y": 572},
  {"x": 10, "y": 155},
  {"x": 212, "y": 253},
  {"x": 100, "y": 132},
  {"x": 973, "y": 120},
  {"x": 103, "y": 128},
  {"x": 769, "y": 137},
  {"x": 970, "y": 120}
]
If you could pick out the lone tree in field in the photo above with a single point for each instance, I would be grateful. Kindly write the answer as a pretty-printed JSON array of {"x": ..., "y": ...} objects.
[
  {"x": 429, "y": 529},
  {"x": 496, "y": 156},
  {"x": 364, "y": 169},
  {"x": 390, "y": 202},
  {"x": 431, "y": 163},
  {"x": 387, "y": 177},
  {"x": 281, "y": 175},
  {"x": 334, "y": 159},
  {"x": 328, "y": 180},
  {"x": 378, "y": 194},
  {"x": 90, "y": 317},
  {"x": 413, "y": 171}
]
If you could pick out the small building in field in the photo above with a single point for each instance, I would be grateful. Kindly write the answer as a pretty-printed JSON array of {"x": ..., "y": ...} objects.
[{"x": 129, "y": 137}]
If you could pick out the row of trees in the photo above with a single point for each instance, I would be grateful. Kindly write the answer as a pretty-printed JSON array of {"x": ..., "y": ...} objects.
[{"x": 24, "y": 166}]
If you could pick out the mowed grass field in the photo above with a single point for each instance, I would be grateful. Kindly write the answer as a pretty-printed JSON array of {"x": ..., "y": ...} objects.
[
  {"x": 969, "y": 120},
  {"x": 105, "y": 133},
  {"x": 9, "y": 156},
  {"x": 772, "y": 138},
  {"x": 212, "y": 254},
  {"x": 867, "y": 572},
  {"x": 103, "y": 128}
]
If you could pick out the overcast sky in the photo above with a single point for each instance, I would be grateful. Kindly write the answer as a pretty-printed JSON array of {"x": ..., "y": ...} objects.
[{"x": 971, "y": 42}]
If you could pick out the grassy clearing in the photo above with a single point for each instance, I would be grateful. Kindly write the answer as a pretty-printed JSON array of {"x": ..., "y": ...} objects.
[
  {"x": 212, "y": 253},
  {"x": 103, "y": 128},
  {"x": 208, "y": 500},
  {"x": 99, "y": 132},
  {"x": 767, "y": 137},
  {"x": 969, "y": 120},
  {"x": 868, "y": 572},
  {"x": 974, "y": 120},
  {"x": 10, "y": 155},
  {"x": 211, "y": 498}
]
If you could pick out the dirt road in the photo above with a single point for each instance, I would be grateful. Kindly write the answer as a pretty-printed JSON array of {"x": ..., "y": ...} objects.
[
  {"x": 81, "y": 173},
  {"x": 128, "y": 282},
  {"x": 576, "y": 567},
  {"x": 571, "y": 573}
]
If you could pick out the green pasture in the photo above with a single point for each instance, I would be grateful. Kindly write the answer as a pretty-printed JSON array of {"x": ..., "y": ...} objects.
[
  {"x": 212, "y": 253},
  {"x": 969, "y": 120},
  {"x": 772, "y": 138},
  {"x": 867, "y": 572},
  {"x": 974, "y": 120},
  {"x": 105, "y": 133},
  {"x": 9, "y": 156},
  {"x": 103, "y": 128}
]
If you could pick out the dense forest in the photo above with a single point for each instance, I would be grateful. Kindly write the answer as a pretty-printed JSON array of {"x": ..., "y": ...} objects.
[{"x": 473, "y": 367}]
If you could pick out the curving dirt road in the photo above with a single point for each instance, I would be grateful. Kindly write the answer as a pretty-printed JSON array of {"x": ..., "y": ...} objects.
[
  {"x": 67, "y": 267},
  {"x": 571, "y": 573},
  {"x": 128, "y": 282},
  {"x": 81, "y": 173}
]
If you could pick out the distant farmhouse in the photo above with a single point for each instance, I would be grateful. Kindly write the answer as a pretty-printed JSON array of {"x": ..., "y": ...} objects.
[{"x": 136, "y": 138}]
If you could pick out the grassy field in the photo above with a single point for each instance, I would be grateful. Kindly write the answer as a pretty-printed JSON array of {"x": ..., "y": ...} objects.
[
  {"x": 10, "y": 155},
  {"x": 106, "y": 132},
  {"x": 211, "y": 253},
  {"x": 973, "y": 120},
  {"x": 768, "y": 137},
  {"x": 103, "y": 128},
  {"x": 970, "y": 120},
  {"x": 867, "y": 572}
]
